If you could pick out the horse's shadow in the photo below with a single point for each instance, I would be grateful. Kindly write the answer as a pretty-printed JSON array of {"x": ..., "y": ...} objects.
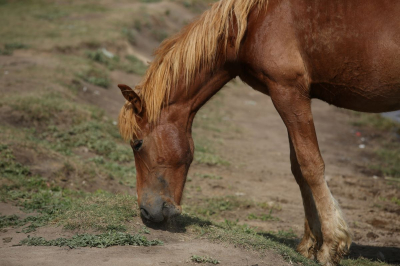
[
  {"x": 178, "y": 224},
  {"x": 385, "y": 254}
]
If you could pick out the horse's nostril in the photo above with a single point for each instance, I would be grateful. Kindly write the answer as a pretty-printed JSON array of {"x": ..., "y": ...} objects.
[
  {"x": 165, "y": 205},
  {"x": 145, "y": 213},
  {"x": 158, "y": 211}
]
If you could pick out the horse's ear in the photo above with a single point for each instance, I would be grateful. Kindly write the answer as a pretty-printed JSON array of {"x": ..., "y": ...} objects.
[{"x": 131, "y": 97}]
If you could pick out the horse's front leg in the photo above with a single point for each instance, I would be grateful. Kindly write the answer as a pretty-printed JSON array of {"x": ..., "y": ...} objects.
[
  {"x": 327, "y": 236},
  {"x": 308, "y": 246}
]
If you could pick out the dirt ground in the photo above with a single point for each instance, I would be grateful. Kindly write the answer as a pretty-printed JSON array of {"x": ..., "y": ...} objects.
[
  {"x": 258, "y": 151},
  {"x": 259, "y": 171}
]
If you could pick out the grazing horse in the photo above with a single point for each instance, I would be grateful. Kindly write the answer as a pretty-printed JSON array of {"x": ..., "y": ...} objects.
[{"x": 344, "y": 52}]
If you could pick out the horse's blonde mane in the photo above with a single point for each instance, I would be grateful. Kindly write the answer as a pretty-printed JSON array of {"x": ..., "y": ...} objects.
[{"x": 196, "y": 47}]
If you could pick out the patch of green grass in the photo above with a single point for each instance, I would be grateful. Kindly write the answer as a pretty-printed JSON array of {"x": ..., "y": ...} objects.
[
  {"x": 108, "y": 239},
  {"x": 389, "y": 160},
  {"x": 9, "y": 167},
  {"x": 205, "y": 155},
  {"x": 196, "y": 6},
  {"x": 269, "y": 206},
  {"x": 159, "y": 34},
  {"x": 60, "y": 125},
  {"x": 374, "y": 120},
  {"x": 209, "y": 159},
  {"x": 208, "y": 176},
  {"x": 203, "y": 259},
  {"x": 224, "y": 204},
  {"x": 395, "y": 200},
  {"x": 135, "y": 65},
  {"x": 55, "y": 15},
  {"x": 96, "y": 76},
  {"x": 49, "y": 23},
  {"x": 389, "y": 155},
  {"x": 15, "y": 46},
  {"x": 36, "y": 222},
  {"x": 73, "y": 125},
  {"x": 125, "y": 174},
  {"x": 213, "y": 206},
  {"x": 100, "y": 211},
  {"x": 137, "y": 24},
  {"x": 10, "y": 47},
  {"x": 131, "y": 65},
  {"x": 150, "y": 1},
  {"x": 362, "y": 262},
  {"x": 28, "y": 191},
  {"x": 130, "y": 34},
  {"x": 97, "y": 136},
  {"x": 15, "y": 221},
  {"x": 263, "y": 217},
  {"x": 5, "y": 52},
  {"x": 288, "y": 234},
  {"x": 100, "y": 56},
  {"x": 48, "y": 107},
  {"x": 10, "y": 220}
]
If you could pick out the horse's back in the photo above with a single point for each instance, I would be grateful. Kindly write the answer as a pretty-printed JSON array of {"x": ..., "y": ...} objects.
[{"x": 350, "y": 49}]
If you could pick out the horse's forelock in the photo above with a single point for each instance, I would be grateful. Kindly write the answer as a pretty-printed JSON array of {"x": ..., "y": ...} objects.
[{"x": 127, "y": 123}]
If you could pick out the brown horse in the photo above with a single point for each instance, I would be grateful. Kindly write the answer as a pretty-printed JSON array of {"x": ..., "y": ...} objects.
[{"x": 344, "y": 52}]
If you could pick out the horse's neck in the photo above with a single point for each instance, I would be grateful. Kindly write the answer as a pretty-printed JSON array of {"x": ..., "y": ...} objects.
[{"x": 206, "y": 84}]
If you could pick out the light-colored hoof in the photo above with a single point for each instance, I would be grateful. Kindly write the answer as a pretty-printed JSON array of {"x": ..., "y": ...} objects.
[
  {"x": 331, "y": 254},
  {"x": 307, "y": 247},
  {"x": 332, "y": 249}
]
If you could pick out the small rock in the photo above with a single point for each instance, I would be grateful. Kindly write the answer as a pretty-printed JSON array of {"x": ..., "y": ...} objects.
[
  {"x": 96, "y": 93},
  {"x": 84, "y": 89},
  {"x": 6, "y": 72},
  {"x": 115, "y": 123},
  {"x": 361, "y": 146},
  {"x": 107, "y": 53}
]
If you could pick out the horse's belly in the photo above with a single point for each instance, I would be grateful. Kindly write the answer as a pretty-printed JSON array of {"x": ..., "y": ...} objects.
[{"x": 383, "y": 98}]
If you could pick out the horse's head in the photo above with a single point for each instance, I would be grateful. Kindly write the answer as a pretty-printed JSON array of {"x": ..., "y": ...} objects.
[{"x": 163, "y": 152}]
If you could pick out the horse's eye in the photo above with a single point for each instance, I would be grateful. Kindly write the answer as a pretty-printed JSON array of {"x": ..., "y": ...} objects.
[{"x": 137, "y": 144}]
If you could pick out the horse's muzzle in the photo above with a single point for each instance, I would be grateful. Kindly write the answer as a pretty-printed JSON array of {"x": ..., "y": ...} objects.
[{"x": 158, "y": 210}]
